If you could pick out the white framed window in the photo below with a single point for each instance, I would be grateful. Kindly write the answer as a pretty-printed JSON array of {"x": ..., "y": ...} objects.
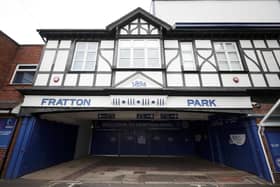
[
  {"x": 188, "y": 56},
  {"x": 228, "y": 56},
  {"x": 139, "y": 53},
  {"x": 85, "y": 56},
  {"x": 24, "y": 74}
]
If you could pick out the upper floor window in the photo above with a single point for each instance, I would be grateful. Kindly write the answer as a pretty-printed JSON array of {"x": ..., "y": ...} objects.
[
  {"x": 188, "y": 56},
  {"x": 228, "y": 56},
  {"x": 24, "y": 74},
  {"x": 85, "y": 56},
  {"x": 139, "y": 53}
]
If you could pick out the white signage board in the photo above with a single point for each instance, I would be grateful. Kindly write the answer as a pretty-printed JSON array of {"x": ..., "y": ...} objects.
[{"x": 137, "y": 101}]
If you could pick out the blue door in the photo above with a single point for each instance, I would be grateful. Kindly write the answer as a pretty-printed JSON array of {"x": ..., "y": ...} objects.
[
  {"x": 105, "y": 142},
  {"x": 133, "y": 142}
]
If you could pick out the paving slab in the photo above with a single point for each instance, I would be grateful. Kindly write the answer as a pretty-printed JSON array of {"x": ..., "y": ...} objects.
[{"x": 146, "y": 171}]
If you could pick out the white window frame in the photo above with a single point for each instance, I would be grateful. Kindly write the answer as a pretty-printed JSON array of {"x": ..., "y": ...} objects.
[
  {"x": 85, "y": 56},
  {"x": 146, "y": 47},
  {"x": 23, "y": 70},
  {"x": 226, "y": 51}
]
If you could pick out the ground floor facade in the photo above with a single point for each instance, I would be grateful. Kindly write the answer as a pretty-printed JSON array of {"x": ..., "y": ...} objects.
[{"x": 137, "y": 139}]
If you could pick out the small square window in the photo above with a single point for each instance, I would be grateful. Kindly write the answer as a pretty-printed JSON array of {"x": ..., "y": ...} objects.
[
  {"x": 228, "y": 56},
  {"x": 85, "y": 56},
  {"x": 139, "y": 53},
  {"x": 24, "y": 74}
]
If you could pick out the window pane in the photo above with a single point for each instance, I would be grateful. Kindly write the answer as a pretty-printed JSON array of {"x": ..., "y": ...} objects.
[
  {"x": 219, "y": 46},
  {"x": 186, "y": 46},
  {"x": 89, "y": 66},
  {"x": 85, "y": 56},
  {"x": 230, "y": 46},
  {"x": 24, "y": 77},
  {"x": 139, "y": 62},
  {"x": 77, "y": 65},
  {"x": 153, "y": 53},
  {"x": 227, "y": 55},
  {"x": 92, "y": 46},
  {"x": 81, "y": 46},
  {"x": 79, "y": 55},
  {"x": 235, "y": 65},
  {"x": 139, "y": 53},
  {"x": 221, "y": 56},
  {"x": 124, "y": 53},
  {"x": 233, "y": 56},
  {"x": 223, "y": 65},
  {"x": 91, "y": 56},
  {"x": 153, "y": 63},
  {"x": 124, "y": 62}
]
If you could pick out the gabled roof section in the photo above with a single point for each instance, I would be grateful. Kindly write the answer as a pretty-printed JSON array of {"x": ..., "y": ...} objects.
[{"x": 139, "y": 12}]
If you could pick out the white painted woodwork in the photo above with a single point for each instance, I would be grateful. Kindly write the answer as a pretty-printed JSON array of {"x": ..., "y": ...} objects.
[
  {"x": 171, "y": 44},
  {"x": 203, "y": 44},
  {"x": 70, "y": 79},
  {"x": 228, "y": 80},
  {"x": 107, "y": 44},
  {"x": 61, "y": 60},
  {"x": 103, "y": 79},
  {"x": 47, "y": 61},
  {"x": 174, "y": 80},
  {"x": 273, "y": 80},
  {"x": 246, "y": 44},
  {"x": 42, "y": 80},
  {"x": 258, "y": 80},
  {"x": 259, "y": 43},
  {"x": 210, "y": 80},
  {"x": 155, "y": 75},
  {"x": 86, "y": 79},
  {"x": 52, "y": 44},
  {"x": 192, "y": 80},
  {"x": 65, "y": 44}
]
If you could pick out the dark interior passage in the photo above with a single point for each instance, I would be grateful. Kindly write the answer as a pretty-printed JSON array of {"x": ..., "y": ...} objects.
[{"x": 230, "y": 141}]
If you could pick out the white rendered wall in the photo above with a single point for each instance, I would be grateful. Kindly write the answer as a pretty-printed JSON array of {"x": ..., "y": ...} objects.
[{"x": 218, "y": 11}]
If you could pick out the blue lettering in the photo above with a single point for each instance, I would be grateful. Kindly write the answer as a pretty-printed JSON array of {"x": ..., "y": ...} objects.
[
  {"x": 44, "y": 101},
  {"x": 87, "y": 102},
  {"x": 59, "y": 102},
  {"x": 79, "y": 102},
  {"x": 197, "y": 103},
  {"x": 65, "y": 102},
  {"x": 72, "y": 101},
  {"x": 204, "y": 102},
  {"x": 190, "y": 102},
  {"x": 212, "y": 102},
  {"x": 51, "y": 102}
]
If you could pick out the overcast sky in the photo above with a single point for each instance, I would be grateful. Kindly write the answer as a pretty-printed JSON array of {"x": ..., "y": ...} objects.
[{"x": 20, "y": 18}]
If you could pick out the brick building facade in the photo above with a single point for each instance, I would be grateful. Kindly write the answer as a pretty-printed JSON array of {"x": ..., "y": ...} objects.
[{"x": 12, "y": 54}]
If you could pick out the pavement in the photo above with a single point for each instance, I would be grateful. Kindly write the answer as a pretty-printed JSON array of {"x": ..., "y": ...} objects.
[{"x": 138, "y": 172}]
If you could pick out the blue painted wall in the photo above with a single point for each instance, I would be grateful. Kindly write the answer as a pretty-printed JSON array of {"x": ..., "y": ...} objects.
[
  {"x": 249, "y": 156},
  {"x": 41, "y": 144},
  {"x": 273, "y": 140}
]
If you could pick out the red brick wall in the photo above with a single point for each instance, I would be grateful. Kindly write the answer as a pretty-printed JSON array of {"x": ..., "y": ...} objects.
[
  {"x": 14, "y": 54},
  {"x": 8, "y": 49}
]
